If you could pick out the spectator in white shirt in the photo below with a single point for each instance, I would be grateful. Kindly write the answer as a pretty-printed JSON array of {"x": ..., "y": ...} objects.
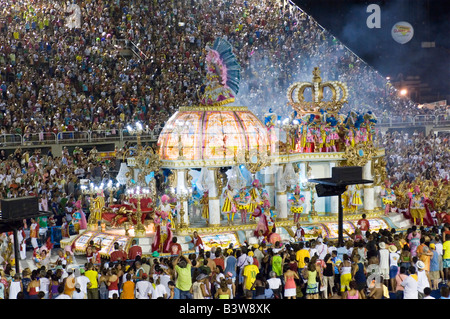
[
  {"x": 142, "y": 288},
  {"x": 275, "y": 284},
  {"x": 159, "y": 291},
  {"x": 410, "y": 285}
]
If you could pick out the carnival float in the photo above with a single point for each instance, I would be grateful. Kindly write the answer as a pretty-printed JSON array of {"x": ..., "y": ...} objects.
[{"x": 222, "y": 172}]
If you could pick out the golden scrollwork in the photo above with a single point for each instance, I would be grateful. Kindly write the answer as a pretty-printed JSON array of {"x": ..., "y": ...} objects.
[
  {"x": 359, "y": 154},
  {"x": 188, "y": 179},
  {"x": 212, "y": 108},
  {"x": 172, "y": 179},
  {"x": 219, "y": 180},
  {"x": 282, "y": 147},
  {"x": 253, "y": 159},
  {"x": 145, "y": 159},
  {"x": 308, "y": 170},
  {"x": 379, "y": 170},
  {"x": 441, "y": 196}
]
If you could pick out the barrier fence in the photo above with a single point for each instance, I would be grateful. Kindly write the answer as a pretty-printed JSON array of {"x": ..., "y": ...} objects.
[
  {"x": 74, "y": 137},
  {"x": 114, "y": 135},
  {"x": 428, "y": 119}
]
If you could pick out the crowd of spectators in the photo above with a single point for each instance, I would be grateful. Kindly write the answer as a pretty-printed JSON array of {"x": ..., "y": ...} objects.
[
  {"x": 380, "y": 264},
  {"x": 416, "y": 156},
  {"x": 54, "y": 78},
  {"x": 55, "y": 180},
  {"x": 57, "y": 79}
]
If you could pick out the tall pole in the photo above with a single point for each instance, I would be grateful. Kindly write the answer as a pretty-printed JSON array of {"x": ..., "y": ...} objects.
[
  {"x": 340, "y": 223},
  {"x": 16, "y": 251}
]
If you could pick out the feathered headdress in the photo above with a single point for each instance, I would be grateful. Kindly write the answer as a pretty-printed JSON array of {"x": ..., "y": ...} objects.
[{"x": 223, "y": 74}]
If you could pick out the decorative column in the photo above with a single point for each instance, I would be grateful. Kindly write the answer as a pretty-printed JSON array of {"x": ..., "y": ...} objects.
[
  {"x": 377, "y": 197},
  {"x": 334, "y": 200},
  {"x": 305, "y": 188},
  {"x": 214, "y": 198},
  {"x": 269, "y": 183},
  {"x": 369, "y": 202},
  {"x": 281, "y": 196}
]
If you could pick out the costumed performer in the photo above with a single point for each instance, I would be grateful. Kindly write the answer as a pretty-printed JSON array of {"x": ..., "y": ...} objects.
[
  {"x": 197, "y": 242},
  {"x": 80, "y": 214},
  {"x": 322, "y": 138},
  {"x": 21, "y": 239},
  {"x": 265, "y": 197},
  {"x": 96, "y": 256},
  {"x": 229, "y": 205},
  {"x": 42, "y": 255},
  {"x": 243, "y": 203},
  {"x": 388, "y": 197},
  {"x": 265, "y": 223},
  {"x": 204, "y": 201},
  {"x": 332, "y": 136},
  {"x": 355, "y": 197},
  {"x": 309, "y": 141},
  {"x": 164, "y": 224},
  {"x": 299, "y": 233},
  {"x": 65, "y": 232},
  {"x": 256, "y": 198},
  {"x": 34, "y": 232},
  {"x": 416, "y": 205},
  {"x": 68, "y": 253},
  {"x": 297, "y": 202}
]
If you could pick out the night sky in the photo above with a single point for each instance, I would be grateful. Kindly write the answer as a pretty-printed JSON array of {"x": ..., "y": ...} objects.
[{"x": 431, "y": 22}]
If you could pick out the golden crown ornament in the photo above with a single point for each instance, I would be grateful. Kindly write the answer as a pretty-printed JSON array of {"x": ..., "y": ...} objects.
[{"x": 296, "y": 95}]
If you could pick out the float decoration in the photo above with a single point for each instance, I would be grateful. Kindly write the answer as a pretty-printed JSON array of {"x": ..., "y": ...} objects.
[{"x": 297, "y": 100}]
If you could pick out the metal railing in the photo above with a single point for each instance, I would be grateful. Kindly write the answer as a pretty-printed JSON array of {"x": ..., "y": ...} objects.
[
  {"x": 426, "y": 119},
  {"x": 105, "y": 135},
  {"x": 41, "y": 138},
  {"x": 121, "y": 135},
  {"x": 11, "y": 139},
  {"x": 125, "y": 44},
  {"x": 137, "y": 51},
  {"x": 74, "y": 137}
]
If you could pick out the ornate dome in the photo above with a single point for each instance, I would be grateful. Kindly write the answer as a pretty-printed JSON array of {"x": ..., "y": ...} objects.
[{"x": 211, "y": 133}]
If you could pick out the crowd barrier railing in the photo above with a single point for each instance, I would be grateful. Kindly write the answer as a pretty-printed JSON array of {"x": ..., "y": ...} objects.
[
  {"x": 425, "y": 119},
  {"x": 73, "y": 137},
  {"x": 443, "y": 119},
  {"x": 70, "y": 137},
  {"x": 147, "y": 134},
  {"x": 41, "y": 138},
  {"x": 11, "y": 140},
  {"x": 105, "y": 135},
  {"x": 115, "y": 135}
]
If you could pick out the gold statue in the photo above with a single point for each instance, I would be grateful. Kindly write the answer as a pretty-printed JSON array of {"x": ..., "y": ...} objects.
[{"x": 96, "y": 209}]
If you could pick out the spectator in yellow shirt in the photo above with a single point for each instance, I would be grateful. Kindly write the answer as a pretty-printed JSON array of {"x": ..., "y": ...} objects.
[
  {"x": 249, "y": 273},
  {"x": 446, "y": 256},
  {"x": 301, "y": 254}
]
